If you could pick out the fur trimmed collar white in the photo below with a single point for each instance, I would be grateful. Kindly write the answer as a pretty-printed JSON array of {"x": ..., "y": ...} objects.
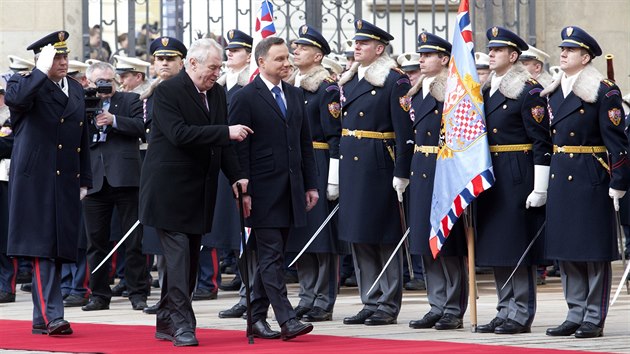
[
  {"x": 437, "y": 88},
  {"x": 311, "y": 81},
  {"x": 586, "y": 85},
  {"x": 513, "y": 82},
  {"x": 243, "y": 77},
  {"x": 376, "y": 74},
  {"x": 149, "y": 91}
]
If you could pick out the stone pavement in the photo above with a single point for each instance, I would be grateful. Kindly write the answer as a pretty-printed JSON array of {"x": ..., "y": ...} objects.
[{"x": 551, "y": 312}]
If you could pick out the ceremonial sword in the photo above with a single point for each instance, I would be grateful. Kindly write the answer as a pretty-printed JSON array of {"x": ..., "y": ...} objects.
[
  {"x": 319, "y": 230},
  {"x": 525, "y": 253}
]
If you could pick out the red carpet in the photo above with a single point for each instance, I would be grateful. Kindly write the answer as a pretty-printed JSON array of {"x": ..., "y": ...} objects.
[{"x": 100, "y": 338}]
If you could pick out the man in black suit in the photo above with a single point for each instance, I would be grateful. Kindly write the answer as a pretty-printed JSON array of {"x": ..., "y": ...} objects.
[
  {"x": 279, "y": 162},
  {"x": 115, "y": 156},
  {"x": 190, "y": 143}
]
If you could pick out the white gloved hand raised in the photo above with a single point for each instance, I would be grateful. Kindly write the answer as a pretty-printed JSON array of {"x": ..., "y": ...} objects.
[
  {"x": 616, "y": 194},
  {"x": 538, "y": 197},
  {"x": 332, "y": 191},
  {"x": 82, "y": 192},
  {"x": 46, "y": 58},
  {"x": 400, "y": 184}
]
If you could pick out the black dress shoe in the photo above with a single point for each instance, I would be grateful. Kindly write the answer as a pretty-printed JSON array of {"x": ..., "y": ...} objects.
[
  {"x": 293, "y": 328},
  {"x": 150, "y": 310},
  {"x": 261, "y": 329},
  {"x": 96, "y": 304},
  {"x": 26, "y": 287},
  {"x": 301, "y": 311},
  {"x": 351, "y": 282},
  {"x": 155, "y": 283},
  {"x": 24, "y": 277},
  {"x": 589, "y": 330},
  {"x": 204, "y": 294},
  {"x": 185, "y": 337},
  {"x": 317, "y": 314},
  {"x": 427, "y": 321},
  {"x": 233, "y": 285},
  {"x": 490, "y": 327},
  {"x": 118, "y": 289},
  {"x": 41, "y": 329},
  {"x": 512, "y": 327},
  {"x": 416, "y": 285},
  {"x": 235, "y": 311},
  {"x": 58, "y": 327},
  {"x": 6, "y": 297},
  {"x": 449, "y": 321},
  {"x": 359, "y": 318},
  {"x": 380, "y": 318},
  {"x": 567, "y": 328},
  {"x": 139, "y": 304},
  {"x": 74, "y": 300}
]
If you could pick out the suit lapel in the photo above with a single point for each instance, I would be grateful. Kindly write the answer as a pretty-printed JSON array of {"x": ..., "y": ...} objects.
[
  {"x": 566, "y": 107},
  {"x": 427, "y": 104},
  {"x": 57, "y": 93},
  {"x": 74, "y": 98},
  {"x": 493, "y": 102},
  {"x": 267, "y": 96},
  {"x": 352, "y": 93},
  {"x": 191, "y": 90}
]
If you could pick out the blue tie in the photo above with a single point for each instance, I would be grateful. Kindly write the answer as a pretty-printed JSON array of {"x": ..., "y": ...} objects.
[{"x": 278, "y": 95}]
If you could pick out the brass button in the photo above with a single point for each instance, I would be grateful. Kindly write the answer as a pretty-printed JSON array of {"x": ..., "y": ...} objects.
[
  {"x": 429, "y": 133},
  {"x": 582, "y": 111},
  {"x": 62, "y": 120},
  {"x": 495, "y": 130},
  {"x": 59, "y": 146},
  {"x": 147, "y": 131},
  {"x": 554, "y": 131},
  {"x": 58, "y": 172},
  {"x": 78, "y": 175},
  {"x": 356, "y": 158},
  {"x": 572, "y": 134},
  {"x": 415, "y": 131},
  {"x": 360, "y": 114},
  {"x": 373, "y": 92},
  {"x": 496, "y": 154},
  {"x": 504, "y": 106},
  {"x": 80, "y": 123},
  {"x": 345, "y": 114},
  {"x": 553, "y": 176},
  {"x": 571, "y": 155},
  {"x": 570, "y": 178},
  {"x": 305, "y": 102},
  {"x": 436, "y": 111},
  {"x": 78, "y": 149},
  {"x": 341, "y": 157},
  {"x": 424, "y": 175},
  {"x": 412, "y": 173},
  {"x": 426, "y": 154}
]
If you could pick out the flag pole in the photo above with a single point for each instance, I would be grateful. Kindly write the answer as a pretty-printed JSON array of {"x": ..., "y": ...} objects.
[{"x": 472, "y": 275}]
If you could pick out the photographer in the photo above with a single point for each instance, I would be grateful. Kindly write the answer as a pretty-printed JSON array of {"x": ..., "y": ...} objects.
[{"x": 114, "y": 133}]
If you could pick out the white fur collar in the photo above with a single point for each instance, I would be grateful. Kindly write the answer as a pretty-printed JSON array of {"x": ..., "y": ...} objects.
[
  {"x": 243, "y": 77},
  {"x": 376, "y": 74},
  {"x": 437, "y": 88},
  {"x": 545, "y": 79},
  {"x": 149, "y": 91},
  {"x": 311, "y": 81},
  {"x": 586, "y": 85},
  {"x": 512, "y": 83}
]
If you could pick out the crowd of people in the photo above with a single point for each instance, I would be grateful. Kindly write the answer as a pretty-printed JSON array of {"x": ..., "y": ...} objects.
[{"x": 98, "y": 150}]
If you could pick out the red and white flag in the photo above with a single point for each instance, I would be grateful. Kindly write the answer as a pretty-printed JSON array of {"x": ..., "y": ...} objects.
[{"x": 264, "y": 29}]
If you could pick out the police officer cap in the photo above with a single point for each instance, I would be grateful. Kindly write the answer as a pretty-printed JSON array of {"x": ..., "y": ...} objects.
[
  {"x": 534, "y": 53},
  {"x": 365, "y": 30},
  {"x": 482, "y": 60},
  {"x": 310, "y": 36},
  {"x": 57, "y": 39},
  {"x": 75, "y": 67},
  {"x": 126, "y": 64},
  {"x": 409, "y": 61},
  {"x": 573, "y": 36},
  {"x": 348, "y": 48},
  {"x": 19, "y": 64},
  {"x": 430, "y": 43},
  {"x": 239, "y": 39},
  {"x": 168, "y": 47},
  {"x": 501, "y": 37},
  {"x": 332, "y": 65}
]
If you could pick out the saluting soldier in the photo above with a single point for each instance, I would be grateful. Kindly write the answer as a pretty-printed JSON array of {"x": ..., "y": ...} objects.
[
  {"x": 589, "y": 166},
  {"x": 509, "y": 213},
  {"x": 375, "y": 153},
  {"x": 317, "y": 267},
  {"x": 50, "y": 174},
  {"x": 445, "y": 276}
]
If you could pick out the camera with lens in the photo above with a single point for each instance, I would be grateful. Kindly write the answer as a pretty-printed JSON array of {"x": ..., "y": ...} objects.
[{"x": 94, "y": 106}]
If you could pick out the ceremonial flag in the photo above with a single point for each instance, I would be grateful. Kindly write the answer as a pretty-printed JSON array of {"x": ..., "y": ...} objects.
[
  {"x": 464, "y": 168},
  {"x": 264, "y": 29}
]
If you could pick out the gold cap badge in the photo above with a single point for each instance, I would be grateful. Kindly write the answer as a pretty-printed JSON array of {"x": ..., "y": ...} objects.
[{"x": 495, "y": 31}]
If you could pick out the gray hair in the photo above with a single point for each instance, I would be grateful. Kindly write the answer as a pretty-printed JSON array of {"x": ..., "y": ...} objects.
[
  {"x": 101, "y": 65},
  {"x": 200, "y": 50}
]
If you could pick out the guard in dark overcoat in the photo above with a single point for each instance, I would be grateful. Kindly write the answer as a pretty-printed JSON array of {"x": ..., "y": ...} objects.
[
  {"x": 317, "y": 267},
  {"x": 445, "y": 276},
  {"x": 50, "y": 173},
  {"x": 375, "y": 154},
  {"x": 589, "y": 166},
  {"x": 509, "y": 214}
]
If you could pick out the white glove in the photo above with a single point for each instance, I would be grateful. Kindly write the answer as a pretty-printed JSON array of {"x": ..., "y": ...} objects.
[
  {"x": 332, "y": 191},
  {"x": 538, "y": 197},
  {"x": 400, "y": 184},
  {"x": 616, "y": 194},
  {"x": 82, "y": 192},
  {"x": 45, "y": 58}
]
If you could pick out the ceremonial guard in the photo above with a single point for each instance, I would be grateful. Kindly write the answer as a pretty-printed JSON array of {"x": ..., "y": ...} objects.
[
  {"x": 509, "y": 215},
  {"x": 8, "y": 266},
  {"x": 50, "y": 174},
  {"x": 317, "y": 267},
  {"x": 534, "y": 60},
  {"x": 375, "y": 154},
  {"x": 133, "y": 74},
  {"x": 445, "y": 276},
  {"x": 588, "y": 168}
]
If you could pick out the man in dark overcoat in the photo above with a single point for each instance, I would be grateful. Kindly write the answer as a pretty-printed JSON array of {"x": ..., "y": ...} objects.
[
  {"x": 50, "y": 174},
  {"x": 278, "y": 161},
  {"x": 190, "y": 143},
  {"x": 588, "y": 168}
]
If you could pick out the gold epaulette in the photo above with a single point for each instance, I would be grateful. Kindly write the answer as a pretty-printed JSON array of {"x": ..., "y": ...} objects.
[
  {"x": 532, "y": 81},
  {"x": 399, "y": 70},
  {"x": 330, "y": 80},
  {"x": 608, "y": 83}
]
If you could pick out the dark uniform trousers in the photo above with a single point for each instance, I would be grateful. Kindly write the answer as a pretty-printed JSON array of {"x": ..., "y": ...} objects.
[
  {"x": 252, "y": 269},
  {"x": 175, "y": 309},
  {"x": 447, "y": 284},
  {"x": 369, "y": 260},
  {"x": 587, "y": 290},
  {"x": 318, "y": 280},
  {"x": 74, "y": 276},
  {"x": 47, "y": 283},
  {"x": 8, "y": 273},
  {"x": 98, "y": 209},
  {"x": 209, "y": 276},
  {"x": 269, "y": 278},
  {"x": 517, "y": 301}
]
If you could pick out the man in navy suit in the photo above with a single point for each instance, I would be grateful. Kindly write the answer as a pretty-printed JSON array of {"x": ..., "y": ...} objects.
[
  {"x": 278, "y": 160},
  {"x": 50, "y": 174}
]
